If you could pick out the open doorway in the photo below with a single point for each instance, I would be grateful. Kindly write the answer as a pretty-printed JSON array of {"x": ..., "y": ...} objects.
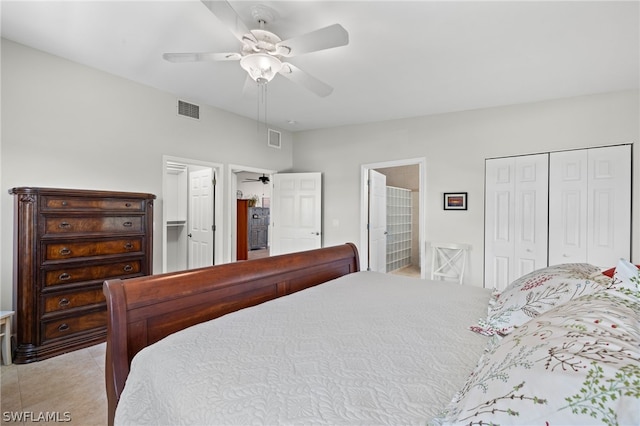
[
  {"x": 401, "y": 251},
  {"x": 249, "y": 212},
  {"x": 191, "y": 214}
]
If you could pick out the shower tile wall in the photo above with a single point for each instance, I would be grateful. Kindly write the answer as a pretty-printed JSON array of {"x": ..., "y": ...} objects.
[{"x": 399, "y": 223}]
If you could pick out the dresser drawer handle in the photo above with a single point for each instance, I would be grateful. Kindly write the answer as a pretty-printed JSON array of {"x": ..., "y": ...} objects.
[
  {"x": 127, "y": 224},
  {"x": 63, "y": 327},
  {"x": 127, "y": 204},
  {"x": 64, "y": 204},
  {"x": 64, "y": 302},
  {"x": 128, "y": 246},
  {"x": 128, "y": 268},
  {"x": 65, "y": 251},
  {"x": 64, "y": 225},
  {"x": 64, "y": 276}
]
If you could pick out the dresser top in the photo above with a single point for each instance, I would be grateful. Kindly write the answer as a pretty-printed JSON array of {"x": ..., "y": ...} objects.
[{"x": 79, "y": 192}]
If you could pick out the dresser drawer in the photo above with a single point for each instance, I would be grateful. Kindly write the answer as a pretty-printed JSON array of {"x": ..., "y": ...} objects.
[
  {"x": 99, "y": 204},
  {"x": 67, "y": 326},
  {"x": 67, "y": 225},
  {"x": 63, "y": 302},
  {"x": 73, "y": 250},
  {"x": 92, "y": 272}
]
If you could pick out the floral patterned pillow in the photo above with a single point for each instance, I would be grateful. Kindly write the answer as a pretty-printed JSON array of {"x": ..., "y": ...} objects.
[
  {"x": 611, "y": 271},
  {"x": 578, "y": 363},
  {"x": 626, "y": 281},
  {"x": 537, "y": 292}
]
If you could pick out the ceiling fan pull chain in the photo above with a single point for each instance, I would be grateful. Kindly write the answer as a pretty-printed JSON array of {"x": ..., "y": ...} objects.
[
  {"x": 262, "y": 101},
  {"x": 258, "y": 110}
]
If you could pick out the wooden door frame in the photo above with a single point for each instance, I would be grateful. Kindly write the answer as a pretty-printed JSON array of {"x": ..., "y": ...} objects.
[{"x": 364, "y": 207}]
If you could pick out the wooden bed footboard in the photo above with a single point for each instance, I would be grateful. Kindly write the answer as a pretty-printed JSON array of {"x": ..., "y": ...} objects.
[{"x": 143, "y": 310}]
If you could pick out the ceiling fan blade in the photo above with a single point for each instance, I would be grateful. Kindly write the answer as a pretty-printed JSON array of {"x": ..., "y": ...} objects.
[
  {"x": 229, "y": 17},
  {"x": 306, "y": 80},
  {"x": 324, "y": 38},
  {"x": 200, "y": 57}
]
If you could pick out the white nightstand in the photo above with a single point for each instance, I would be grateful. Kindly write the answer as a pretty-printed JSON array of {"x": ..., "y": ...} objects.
[{"x": 5, "y": 335}]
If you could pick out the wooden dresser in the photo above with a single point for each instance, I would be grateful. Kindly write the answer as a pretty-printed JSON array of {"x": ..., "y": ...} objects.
[
  {"x": 66, "y": 243},
  {"x": 242, "y": 229}
]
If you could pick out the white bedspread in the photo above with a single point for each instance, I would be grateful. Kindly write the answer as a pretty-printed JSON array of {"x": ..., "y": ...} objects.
[{"x": 366, "y": 348}]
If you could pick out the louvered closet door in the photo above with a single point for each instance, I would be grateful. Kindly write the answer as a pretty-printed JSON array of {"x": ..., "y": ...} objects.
[
  {"x": 590, "y": 205},
  {"x": 515, "y": 217}
]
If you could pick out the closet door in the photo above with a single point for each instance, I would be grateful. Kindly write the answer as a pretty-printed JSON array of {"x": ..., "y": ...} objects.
[
  {"x": 568, "y": 207},
  {"x": 590, "y": 205},
  {"x": 515, "y": 217},
  {"x": 531, "y": 213},
  {"x": 499, "y": 222},
  {"x": 609, "y": 209}
]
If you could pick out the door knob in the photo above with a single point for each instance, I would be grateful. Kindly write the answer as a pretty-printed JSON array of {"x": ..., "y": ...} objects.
[{"x": 189, "y": 235}]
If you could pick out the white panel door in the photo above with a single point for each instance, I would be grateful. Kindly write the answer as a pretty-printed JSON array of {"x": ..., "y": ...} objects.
[
  {"x": 568, "y": 207},
  {"x": 377, "y": 221},
  {"x": 531, "y": 213},
  {"x": 590, "y": 205},
  {"x": 499, "y": 222},
  {"x": 515, "y": 217},
  {"x": 609, "y": 205},
  {"x": 200, "y": 249},
  {"x": 296, "y": 212}
]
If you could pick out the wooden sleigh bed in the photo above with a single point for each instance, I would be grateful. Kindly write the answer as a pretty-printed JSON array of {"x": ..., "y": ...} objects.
[
  {"x": 220, "y": 345},
  {"x": 144, "y": 310}
]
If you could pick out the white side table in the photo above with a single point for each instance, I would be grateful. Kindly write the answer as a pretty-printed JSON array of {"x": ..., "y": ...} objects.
[{"x": 5, "y": 335}]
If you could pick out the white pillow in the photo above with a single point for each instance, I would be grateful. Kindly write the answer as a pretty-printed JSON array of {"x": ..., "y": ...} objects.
[
  {"x": 537, "y": 292},
  {"x": 577, "y": 364}
]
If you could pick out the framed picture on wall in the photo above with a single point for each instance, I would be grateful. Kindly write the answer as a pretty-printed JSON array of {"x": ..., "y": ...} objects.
[{"x": 455, "y": 200}]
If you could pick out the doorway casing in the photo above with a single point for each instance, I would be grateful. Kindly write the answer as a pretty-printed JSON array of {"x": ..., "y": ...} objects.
[
  {"x": 364, "y": 207},
  {"x": 217, "y": 170},
  {"x": 231, "y": 232}
]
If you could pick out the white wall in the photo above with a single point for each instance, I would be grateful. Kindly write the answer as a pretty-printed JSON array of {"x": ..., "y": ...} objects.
[
  {"x": 455, "y": 146},
  {"x": 69, "y": 126}
]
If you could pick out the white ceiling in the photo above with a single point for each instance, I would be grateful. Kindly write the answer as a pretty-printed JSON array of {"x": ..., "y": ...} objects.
[{"x": 404, "y": 59}]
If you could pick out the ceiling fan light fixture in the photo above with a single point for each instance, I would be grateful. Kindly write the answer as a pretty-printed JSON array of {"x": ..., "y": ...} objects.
[{"x": 262, "y": 67}]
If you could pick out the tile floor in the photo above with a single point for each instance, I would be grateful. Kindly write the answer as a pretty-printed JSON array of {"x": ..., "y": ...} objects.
[
  {"x": 258, "y": 254},
  {"x": 71, "y": 385},
  {"x": 409, "y": 271}
]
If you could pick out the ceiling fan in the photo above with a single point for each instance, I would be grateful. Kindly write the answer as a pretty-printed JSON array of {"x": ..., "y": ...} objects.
[
  {"x": 263, "y": 52},
  {"x": 264, "y": 179}
]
